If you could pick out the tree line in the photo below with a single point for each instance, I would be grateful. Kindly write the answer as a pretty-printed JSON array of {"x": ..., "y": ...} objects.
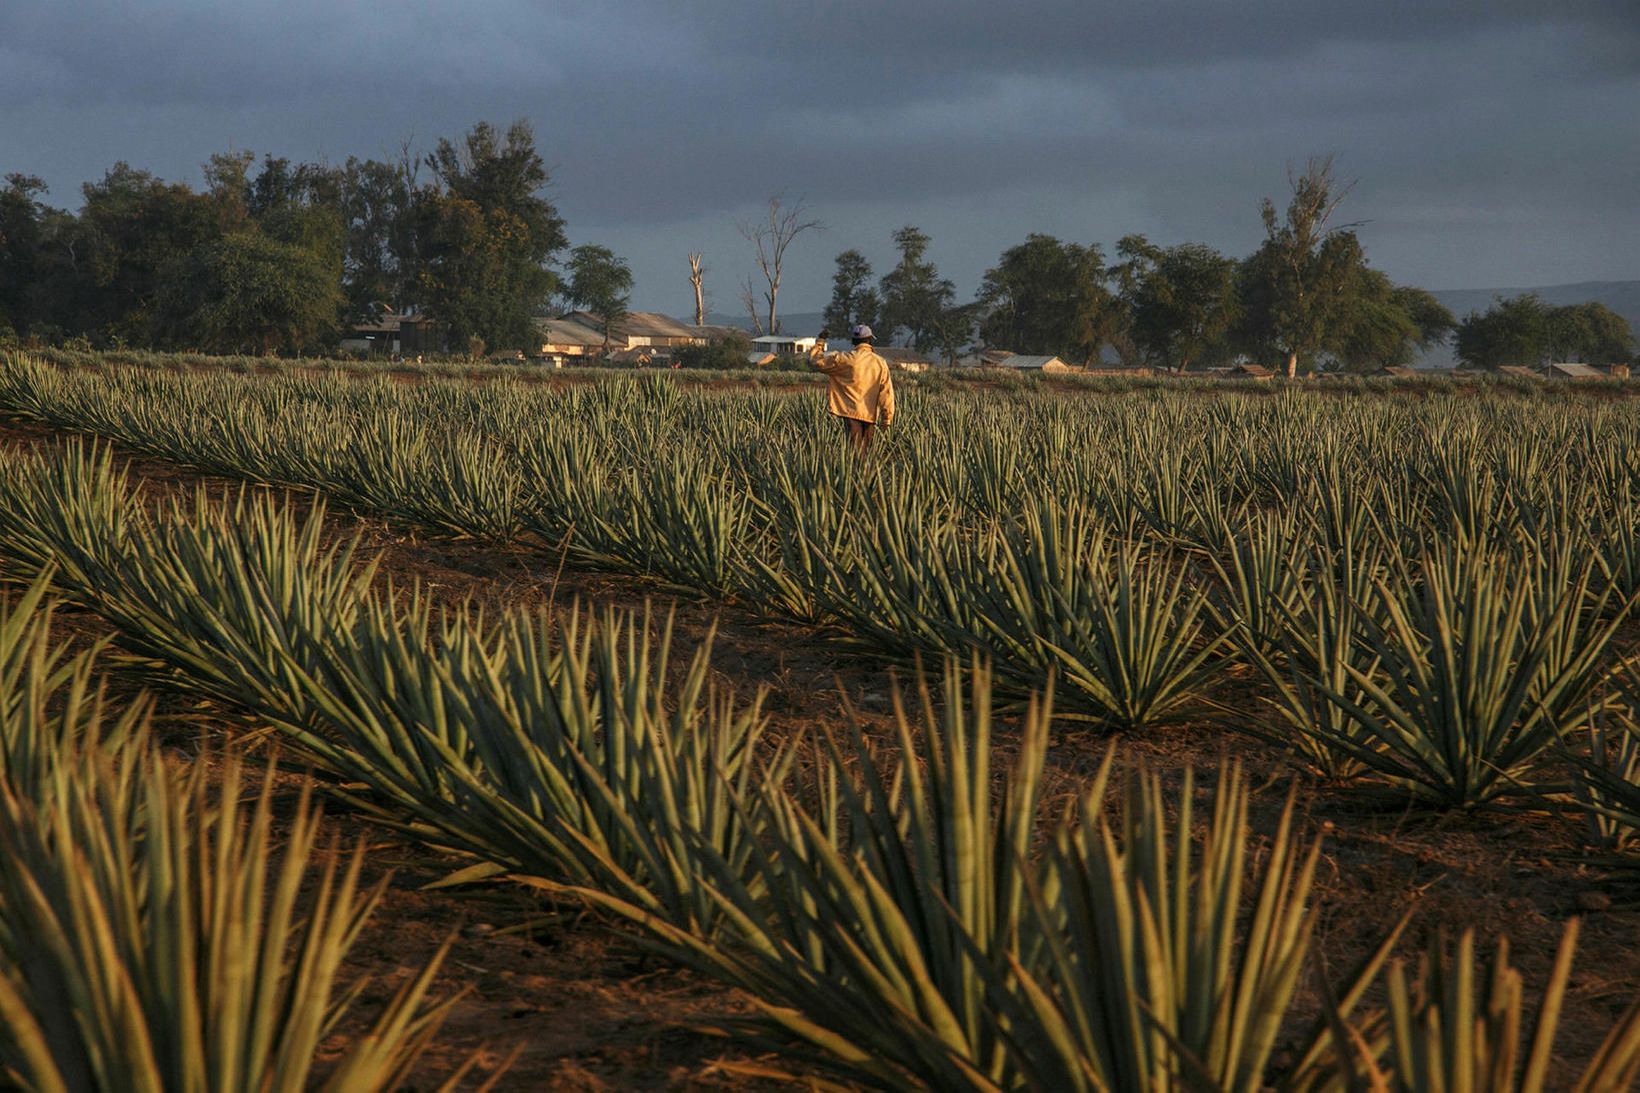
[
  {"x": 1305, "y": 299},
  {"x": 280, "y": 257}
]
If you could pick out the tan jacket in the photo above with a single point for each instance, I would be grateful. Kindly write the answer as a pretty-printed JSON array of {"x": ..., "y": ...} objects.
[{"x": 861, "y": 387}]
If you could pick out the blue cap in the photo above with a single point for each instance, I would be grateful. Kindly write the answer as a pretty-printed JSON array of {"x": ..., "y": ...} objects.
[{"x": 861, "y": 331}]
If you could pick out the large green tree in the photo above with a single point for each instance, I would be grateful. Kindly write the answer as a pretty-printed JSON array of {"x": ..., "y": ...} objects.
[
  {"x": 382, "y": 260},
  {"x": 1513, "y": 331},
  {"x": 302, "y": 204},
  {"x": 132, "y": 233},
  {"x": 853, "y": 299},
  {"x": 1298, "y": 287},
  {"x": 917, "y": 304},
  {"x": 228, "y": 186},
  {"x": 1589, "y": 332},
  {"x": 22, "y": 230},
  {"x": 1180, "y": 301},
  {"x": 1386, "y": 324},
  {"x": 1523, "y": 330},
  {"x": 601, "y": 283},
  {"x": 250, "y": 293},
  {"x": 489, "y": 236},
  {"x": 1045, "y": 296},
  {"x": 472, "y": 243}
]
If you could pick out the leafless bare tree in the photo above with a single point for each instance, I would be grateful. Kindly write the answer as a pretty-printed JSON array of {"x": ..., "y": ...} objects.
[
  {"x": 696, "y": 273},
  {"x": 748, "y": 300},
  {"x": 771, "y": 237},
  {"x": 409, "y": 160}
]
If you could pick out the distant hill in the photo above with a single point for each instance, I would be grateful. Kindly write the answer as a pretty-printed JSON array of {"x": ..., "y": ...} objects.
[{"x": 1622, "y": 297}]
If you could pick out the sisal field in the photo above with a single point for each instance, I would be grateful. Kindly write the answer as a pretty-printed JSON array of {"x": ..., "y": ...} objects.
[{"x": 416, "y": 729}]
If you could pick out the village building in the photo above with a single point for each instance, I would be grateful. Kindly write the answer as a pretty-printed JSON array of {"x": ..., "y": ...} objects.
[
  {"x": 642, "y": 328},
  {"x": 904, "y": 360},
  {"x": 640, "y": 356},
  {"x": 390, "y": 334},
  {"x": 562, "y": 339},
  {"x": 784, "y": 345},
  {"x": 419, "y": 334},
  {"x": 984, "y": 358},
  {"x": 1519, "y": 371},
  {"x": 1564, "y": 370},
  {"x": 581, "y": 334},
  {"x": 377, "y": 337},
  {"x": 1396, "y": 370}
]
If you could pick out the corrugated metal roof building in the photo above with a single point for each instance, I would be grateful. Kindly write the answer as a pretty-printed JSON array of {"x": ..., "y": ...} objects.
[
  {"x": 643, "y": 328},
  {"x": 1570, "y": 371},
  {"x": 569, "y": 338}
]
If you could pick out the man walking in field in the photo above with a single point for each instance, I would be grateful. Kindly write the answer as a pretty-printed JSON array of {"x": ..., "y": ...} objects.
[{"x": 860, "y": 388}]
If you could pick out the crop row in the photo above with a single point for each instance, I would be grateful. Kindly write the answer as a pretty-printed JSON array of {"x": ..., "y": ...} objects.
[
  {"x": 1433, "y": 596},
  {"x": 154, "y": 934},
  {"x": 884, "y": 908}
]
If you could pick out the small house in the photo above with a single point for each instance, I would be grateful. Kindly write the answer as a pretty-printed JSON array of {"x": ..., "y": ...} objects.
[
  {"x": 418, "y": 334},
  {"x": 984, "y": 358},
  {"x": 378, "y": 337},
  {"x": 1570, "y": 371},
  {"x": 643, "y": 328},
  {"x": 581, "y": 333},
  {"x": 1519, "y": 371},
  {"x": 1248, "y": 371},
  {"x": 904, "y": 360},
  {"x": 569, "y": 338},
  {"x": 784, "y": 345},
  {"x": 1400, "y": 370}
]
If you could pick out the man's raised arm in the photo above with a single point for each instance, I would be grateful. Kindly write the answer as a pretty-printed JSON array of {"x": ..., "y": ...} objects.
[{"x": 829, "y": 363}]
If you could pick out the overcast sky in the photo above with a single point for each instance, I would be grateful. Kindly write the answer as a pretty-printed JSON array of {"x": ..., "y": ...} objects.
[{"x": 1495, "y": 142}]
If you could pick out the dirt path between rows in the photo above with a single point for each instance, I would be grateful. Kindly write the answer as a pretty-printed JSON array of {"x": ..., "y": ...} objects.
[{"x": 591, "y": 1013}]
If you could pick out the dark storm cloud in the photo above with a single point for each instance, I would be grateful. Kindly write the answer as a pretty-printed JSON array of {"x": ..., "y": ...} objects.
[{"x": 1495, "y": 142}]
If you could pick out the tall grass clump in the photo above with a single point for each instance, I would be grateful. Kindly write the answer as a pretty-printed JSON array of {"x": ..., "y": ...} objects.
[
  {"x": 886, "y": 899},
  {"x": 1456, "y": 1024},
  {"x": 1148, "y": 978},
  {"x": 50, "y": 703},
  {"x": 1483, "y": 665},
  {"x": 560, "y": 753},
  {"x": 1123, "y": 625},
  {"x": 155, "y": 935},
  {"x": 909, "y": 928}
]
